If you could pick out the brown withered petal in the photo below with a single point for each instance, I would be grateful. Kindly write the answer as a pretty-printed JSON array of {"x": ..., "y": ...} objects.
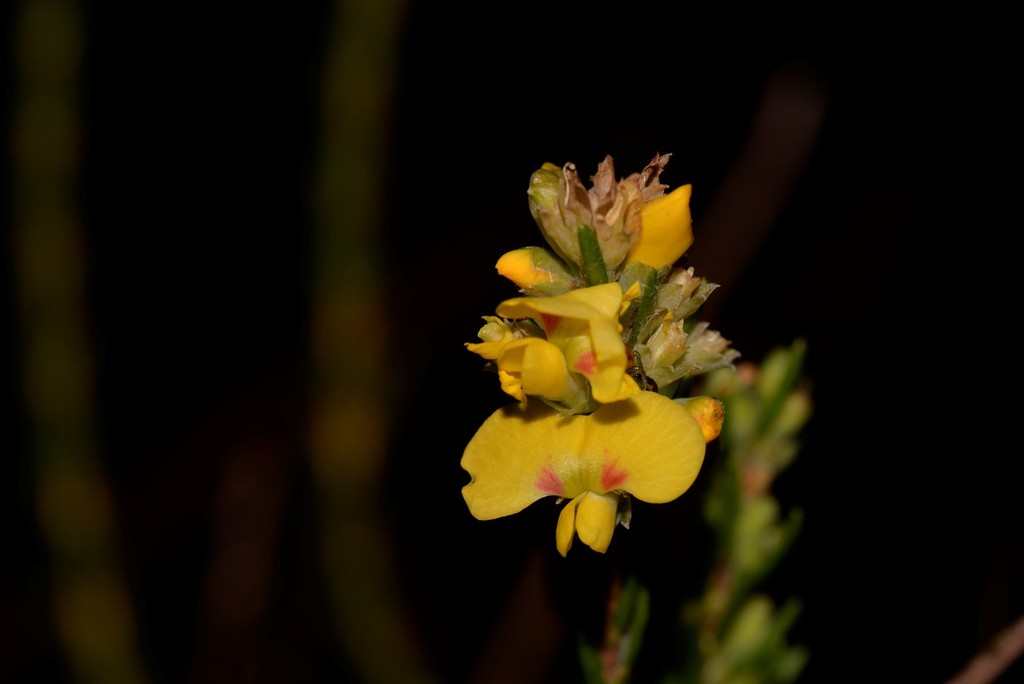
[
  {"x": 649, "y": 183},
  {"x": 603, "y": 180},
  {"x": 577, "y": 200}
]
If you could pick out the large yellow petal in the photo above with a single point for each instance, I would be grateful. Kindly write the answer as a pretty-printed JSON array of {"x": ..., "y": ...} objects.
[
  {"x": 667, "y": 230},
  {"x": 595, "y": 520},
  {"x": 520, "y": 455},
  {"x": 647, "y": 445}
]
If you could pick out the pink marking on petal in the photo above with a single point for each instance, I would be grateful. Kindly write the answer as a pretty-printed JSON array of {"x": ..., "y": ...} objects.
[
  {"x": 612, "y": 476},
  {"x": 586, "y": 363},
  {"x": 549, "y": 483},
  {"x": 550, "y": 322}
]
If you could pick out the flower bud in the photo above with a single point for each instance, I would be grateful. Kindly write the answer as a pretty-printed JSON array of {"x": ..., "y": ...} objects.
[
  {"x": 666, "y": 346},
  {"x": 709, "y": 413},
  {"x": 537, "y": 272},
  {"x": 560, "y": 204},
  {"x": 547, "y": 188}
]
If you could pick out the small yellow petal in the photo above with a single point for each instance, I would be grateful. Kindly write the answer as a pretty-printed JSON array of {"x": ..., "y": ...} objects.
[
  {"x": 595, "y": 520},
  {"x": 567, "y": 526},
  {"x": 511, "y": 384},
  {"x": 629, "y": 295},
  {"x": 495, "y": 335},
  {"x": 608, "y": 379},
  {"x": 667, "y": 230},
  {"x": 540, "y": 365}
]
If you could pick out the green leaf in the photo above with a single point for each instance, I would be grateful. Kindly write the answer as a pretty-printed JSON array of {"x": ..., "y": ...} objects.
[
  {"x": 778, "y": 374},
  {"x": 590, "y": 663},
  {"x": 639, "y": 613}
]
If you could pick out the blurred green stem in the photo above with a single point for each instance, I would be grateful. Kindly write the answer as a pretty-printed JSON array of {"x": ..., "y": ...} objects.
[
  {"x": 349, "y": 341},
  {"x": 93, "y": 614}
]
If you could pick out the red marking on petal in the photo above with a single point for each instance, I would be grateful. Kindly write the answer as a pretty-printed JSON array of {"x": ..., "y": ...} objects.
[
  {"x": 550, "y": 322},
  {"x": 586, "y": 363},
  {"x": 549, "y": 483},
  {"x": 612, "y": 476}
]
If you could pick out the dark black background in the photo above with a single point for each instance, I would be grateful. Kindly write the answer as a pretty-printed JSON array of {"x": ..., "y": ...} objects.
[{"x": 892, "y": 255}]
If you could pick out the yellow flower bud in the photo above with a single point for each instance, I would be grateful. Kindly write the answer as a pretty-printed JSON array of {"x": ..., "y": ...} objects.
[
  {"x": 709, "y": 413},
  {"x": 537, "y": 272}
]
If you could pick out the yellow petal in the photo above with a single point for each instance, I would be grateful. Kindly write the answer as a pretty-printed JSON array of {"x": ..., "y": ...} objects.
[
  {"x": 517, "y": 266},
  {"x": 566, "y": 528},
  {"x": 536, "y": 271},
  {"x": 512, "y": 384},
  {"x": 539, "y": 364},
  {"x": 495, "y": 335},
  {"x": 520, "y": 455},
  {"x": 587, "y": 303},
  {"x": 595, "y": 520},
  {"x": 647, "y": 445},
  {"x": 608, "y": 379},
  {"x": 667, "y": 230},
  {"x": 629, "y": 295}
]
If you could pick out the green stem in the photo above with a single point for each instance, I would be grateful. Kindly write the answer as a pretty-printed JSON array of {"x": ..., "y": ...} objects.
[
  {"x": 94, "y": 619},
  {"x": 350, "y": 415}
]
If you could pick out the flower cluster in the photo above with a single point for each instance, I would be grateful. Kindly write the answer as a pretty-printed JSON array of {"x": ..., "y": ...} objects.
[{"x": 598, "y": 352}]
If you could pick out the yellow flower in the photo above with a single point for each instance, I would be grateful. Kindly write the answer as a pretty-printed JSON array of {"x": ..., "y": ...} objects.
[
  {"x": 647, "y": 446},
  {"x": 584, "y": 325},
  {"x": 666, "y": 230},
  {"x": 526, "y": 365}
]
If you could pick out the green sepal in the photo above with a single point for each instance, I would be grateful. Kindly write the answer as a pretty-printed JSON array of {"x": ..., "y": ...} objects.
[
  {"x": 684, "y": 302},
  {"x": 648, "y": 295},
  {"x": 594, "y": 269}
]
